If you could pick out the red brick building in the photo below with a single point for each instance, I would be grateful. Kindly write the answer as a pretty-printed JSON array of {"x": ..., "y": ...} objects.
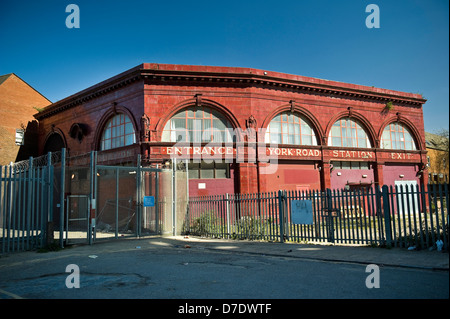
[
  {"x": 265, "y": 130},
  {"x": 18, "y": 128}
]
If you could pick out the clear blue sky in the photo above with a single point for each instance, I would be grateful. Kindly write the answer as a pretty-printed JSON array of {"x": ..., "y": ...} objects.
[{"x": 322, "y": 38}]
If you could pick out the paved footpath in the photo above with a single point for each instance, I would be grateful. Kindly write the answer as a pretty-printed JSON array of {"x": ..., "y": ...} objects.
[
  {"x": 397, "y": 257},
  {"x": 113, "y": 269}
]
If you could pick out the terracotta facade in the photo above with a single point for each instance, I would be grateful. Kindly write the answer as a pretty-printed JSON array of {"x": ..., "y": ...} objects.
[{"x": 151, "y": 94}]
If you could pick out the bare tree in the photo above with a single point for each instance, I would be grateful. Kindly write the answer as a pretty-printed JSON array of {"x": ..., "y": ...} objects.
[{"x": 441, "y": 160}]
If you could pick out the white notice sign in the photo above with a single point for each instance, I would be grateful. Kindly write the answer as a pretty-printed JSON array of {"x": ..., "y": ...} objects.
[{"x": 201, "y": 185}]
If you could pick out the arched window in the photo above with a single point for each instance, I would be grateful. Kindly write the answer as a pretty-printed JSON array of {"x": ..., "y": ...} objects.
[
  {"x": 290, "y": 128},
  {"x": 198, "y": 125},
  {"x": 348, "y": 132},
  {"x": 397, "y": 136},
  {"x": 118, "y": 132}
]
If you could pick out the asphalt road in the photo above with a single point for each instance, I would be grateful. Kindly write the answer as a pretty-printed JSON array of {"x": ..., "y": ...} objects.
[{"x": 156, "y": 270}]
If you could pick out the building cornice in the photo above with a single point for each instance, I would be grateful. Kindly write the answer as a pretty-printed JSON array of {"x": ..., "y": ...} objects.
[
  {"x": 91, "y": 93},
  {"x": 185, "y": 75},
  {"x": 281, "y": 81}
]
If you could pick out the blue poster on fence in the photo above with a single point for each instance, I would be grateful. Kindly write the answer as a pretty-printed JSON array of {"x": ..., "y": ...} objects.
[
  {"x": 149, "y": 201},
  {"x": 301, "y": 212}
]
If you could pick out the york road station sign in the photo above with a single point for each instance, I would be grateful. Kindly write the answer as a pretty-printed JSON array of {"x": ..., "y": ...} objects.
[{"x": 292, "y": 153}]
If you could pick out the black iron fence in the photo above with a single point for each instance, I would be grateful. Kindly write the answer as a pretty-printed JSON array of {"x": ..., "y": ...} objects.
[{"x": 400, "y": 216}]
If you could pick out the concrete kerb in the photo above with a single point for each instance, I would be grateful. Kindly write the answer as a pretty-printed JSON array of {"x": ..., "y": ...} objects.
[{"x": 395, "y": 257}]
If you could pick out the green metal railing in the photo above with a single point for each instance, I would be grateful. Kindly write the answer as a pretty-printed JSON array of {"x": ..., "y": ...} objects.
[{"x": 400, "y": 216}]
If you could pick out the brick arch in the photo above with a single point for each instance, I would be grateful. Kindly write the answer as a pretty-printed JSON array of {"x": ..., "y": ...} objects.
[
  {"x": 303, "y": 112},
  {"x": 58, "y": 132},
  {"x": 368, "y": 128},
  {"x": 114, "y": 110},
  {"x": 205, "y": 102},
  {"x": 409, "y": 125}
]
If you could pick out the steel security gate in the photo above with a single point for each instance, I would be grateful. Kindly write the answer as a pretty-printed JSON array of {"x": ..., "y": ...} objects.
[
  {"x": 60, "y": 199},
  {"x": 112, "y": 205},
  {"x": 77, "y": 219},
  {"x": 118, "y": 209}
]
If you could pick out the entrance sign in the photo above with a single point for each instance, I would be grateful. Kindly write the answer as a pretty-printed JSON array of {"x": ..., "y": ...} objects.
[{"x": 301, "y": 212}]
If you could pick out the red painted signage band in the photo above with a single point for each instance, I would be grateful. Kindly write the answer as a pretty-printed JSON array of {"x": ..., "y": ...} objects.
[{"x": 293, "y": 153}]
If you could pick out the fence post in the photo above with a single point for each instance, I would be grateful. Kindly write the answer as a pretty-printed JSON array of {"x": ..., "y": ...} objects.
[
  {"x": 139, "y": 205},
  {"x": 281, "y": 198},
  {"x": 174, "y": 195},
  {"x": 29, "y": 199},
  {"x": 329, "y": 216},
  {"x": 61, "y": 198},
  {"x": 93, "y": 203},
  {"x": 227, "y": 209},
  {"x": 92, "y": 198},
  {"x": 2, "y": 207},
  {"x": 10, "y": 207},
  {"x": 446, "y": 244},
  {"x": 157, "y": 201},
  {"x": 387, "y": 215},
  {"x": 48, "y": 226}
]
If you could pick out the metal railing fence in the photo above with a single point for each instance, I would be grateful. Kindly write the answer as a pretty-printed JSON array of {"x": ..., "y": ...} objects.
[
  {"x": 400, "y": 216},
  {"x": 53, "y": 200},
  {"x": 26, "y": 194}
]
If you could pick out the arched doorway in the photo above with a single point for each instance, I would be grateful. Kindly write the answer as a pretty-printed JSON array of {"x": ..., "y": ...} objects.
[{"x": 54, "y": 143}]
